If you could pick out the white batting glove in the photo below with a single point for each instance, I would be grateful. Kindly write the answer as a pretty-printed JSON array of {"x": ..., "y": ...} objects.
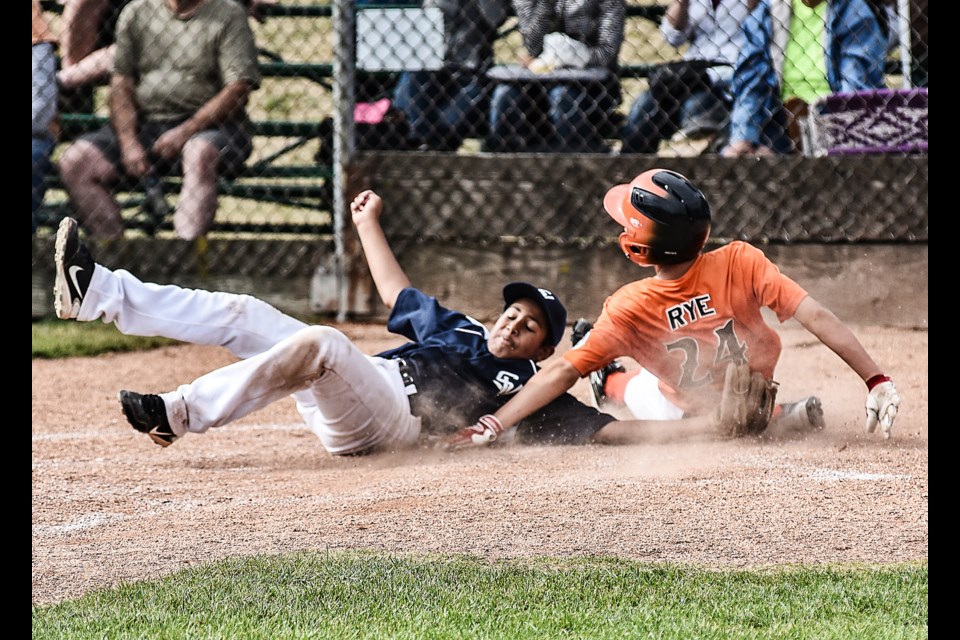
[
  {"x": 487, "y": 429},
  {"x": 883, "y": 402}
]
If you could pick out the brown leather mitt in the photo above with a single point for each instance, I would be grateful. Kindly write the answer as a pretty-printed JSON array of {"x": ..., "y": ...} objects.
[{"x": 747, "y": 402}]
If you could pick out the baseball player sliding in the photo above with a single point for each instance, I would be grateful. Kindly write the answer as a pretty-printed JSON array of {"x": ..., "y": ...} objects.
[
  {"x": 451, "y": 372},
  {"x": 695, "y": 327}
]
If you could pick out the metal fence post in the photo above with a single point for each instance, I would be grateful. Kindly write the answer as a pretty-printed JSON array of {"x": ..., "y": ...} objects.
[{"x": 344, "y": 142}]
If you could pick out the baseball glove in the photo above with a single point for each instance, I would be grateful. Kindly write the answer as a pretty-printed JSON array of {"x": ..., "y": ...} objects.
[{"x": 747, "y": 402}]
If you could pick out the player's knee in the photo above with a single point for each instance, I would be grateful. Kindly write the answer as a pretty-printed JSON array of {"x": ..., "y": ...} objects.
[{"x": 329, "y": 344}]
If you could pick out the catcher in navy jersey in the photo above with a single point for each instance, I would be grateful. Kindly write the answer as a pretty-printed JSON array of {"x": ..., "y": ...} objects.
[{"x": 453, "y": 371}]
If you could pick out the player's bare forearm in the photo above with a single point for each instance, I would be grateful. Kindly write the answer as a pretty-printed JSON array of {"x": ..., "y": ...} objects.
[
  {"x": 388, "y": 276},
  {"x": 837, "y": 336},
  {"x": 547, "y": 385}
]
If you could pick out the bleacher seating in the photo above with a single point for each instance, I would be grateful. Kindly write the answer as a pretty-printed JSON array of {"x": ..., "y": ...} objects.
[{"x": 269, "y": 179}]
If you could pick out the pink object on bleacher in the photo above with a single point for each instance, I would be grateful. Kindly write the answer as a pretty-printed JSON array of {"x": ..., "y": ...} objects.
[{"x": 371, "y": 112}]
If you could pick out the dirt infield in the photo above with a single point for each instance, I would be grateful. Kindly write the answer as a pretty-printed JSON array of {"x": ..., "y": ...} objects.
[{"x": 109, "y": 506}]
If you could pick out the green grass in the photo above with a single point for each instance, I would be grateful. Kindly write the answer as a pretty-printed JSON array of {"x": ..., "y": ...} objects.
[
  {"x": 54, "y": 338},
  {"x": 368, "y": 595}
]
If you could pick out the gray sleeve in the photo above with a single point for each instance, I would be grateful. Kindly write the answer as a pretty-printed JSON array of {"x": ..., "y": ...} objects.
[
  {"x": 44, "y": 87},
  {"x": 125, "y": 52},
  {"x": 535, "y": 20},
  {"x": 610, "y": 39},
  {"x": 238, "y": 55}
]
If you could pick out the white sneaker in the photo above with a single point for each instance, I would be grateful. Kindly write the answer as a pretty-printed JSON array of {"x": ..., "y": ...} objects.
[{"x": 803, "y": 415}]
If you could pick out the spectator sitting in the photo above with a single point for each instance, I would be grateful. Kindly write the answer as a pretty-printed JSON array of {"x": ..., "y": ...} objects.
[
  {"x": 89, "y": 27},
  {"x": 560, "y": 115},
  {"x": 44, "y": 105},
  {"x": 444, "y": 107},
  {"x": 689, "y": 93},
  {"x": 827, "y": 47},
  {"x": 177, "y": 101}
]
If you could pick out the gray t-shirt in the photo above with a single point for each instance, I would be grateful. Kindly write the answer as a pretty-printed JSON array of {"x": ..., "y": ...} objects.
[{"x": 180, "y": 64}]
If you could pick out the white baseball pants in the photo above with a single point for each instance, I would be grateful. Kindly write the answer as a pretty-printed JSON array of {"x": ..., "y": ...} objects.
[
  {"x": 350, "y": 400},
  {"x": 643, "y": 397}
]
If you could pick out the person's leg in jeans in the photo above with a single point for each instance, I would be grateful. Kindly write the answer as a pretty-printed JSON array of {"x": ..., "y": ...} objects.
[
  {"x": 402, "y": 91},
  {"x": 705, "y": 112},
  {"x": 574, "y": 108},
  {"x": 646, "y": 126},
  {"x": 413, "y": 95},
  {"x": 775, "y": 133},
  {"x": 42, "y": 148},
  {"x": 466, "y": 99},
  {"x": 511, "y": 128}
]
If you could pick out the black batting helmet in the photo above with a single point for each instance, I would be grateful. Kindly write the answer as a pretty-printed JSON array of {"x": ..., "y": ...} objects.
[{"x": 665, "y": 218}]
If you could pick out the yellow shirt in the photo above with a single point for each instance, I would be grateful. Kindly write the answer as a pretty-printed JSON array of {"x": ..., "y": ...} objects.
[{"x": 804, "y": 64}]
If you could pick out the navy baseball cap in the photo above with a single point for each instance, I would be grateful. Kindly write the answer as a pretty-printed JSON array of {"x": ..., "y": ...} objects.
[{"x": 552, "y": 307}]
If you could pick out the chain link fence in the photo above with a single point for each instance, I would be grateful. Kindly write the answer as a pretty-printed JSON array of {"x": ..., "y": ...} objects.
[{"x": 480, "y": 120}]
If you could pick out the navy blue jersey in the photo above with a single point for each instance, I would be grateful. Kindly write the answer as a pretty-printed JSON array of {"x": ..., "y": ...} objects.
[{"x": 457, "y": 379}]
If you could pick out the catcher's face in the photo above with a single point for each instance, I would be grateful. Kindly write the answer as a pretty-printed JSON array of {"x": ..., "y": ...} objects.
[{"x": 520, "y": 332}]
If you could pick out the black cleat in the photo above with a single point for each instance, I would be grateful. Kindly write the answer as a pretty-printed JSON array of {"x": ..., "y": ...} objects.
[
  {"x": 598, "y": 379},
  {"x": 579, "y": 331},
  {"x": 598, "y": 382},
  {"x": 74, "y": 266},
  {"x": 147, "y": 414}
]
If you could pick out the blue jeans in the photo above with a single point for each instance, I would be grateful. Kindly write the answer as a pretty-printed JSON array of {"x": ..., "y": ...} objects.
[
  {"x": 42, "y": 148},
  {"x": 649, "y": 123},
  {"x": 442, "y": 107},
  {"x": 776, "y": 132},
  {"x": 561, "y": 117}
]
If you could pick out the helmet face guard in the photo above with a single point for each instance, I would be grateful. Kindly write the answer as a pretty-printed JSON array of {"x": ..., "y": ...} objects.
[
  {"x": 665, "y": 218},
  {"x": 635, "y": 251}
]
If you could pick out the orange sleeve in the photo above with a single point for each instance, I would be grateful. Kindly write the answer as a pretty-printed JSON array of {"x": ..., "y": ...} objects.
[
  {"x": 611, "y": 335},
  {"x": 772, "y": 288}
]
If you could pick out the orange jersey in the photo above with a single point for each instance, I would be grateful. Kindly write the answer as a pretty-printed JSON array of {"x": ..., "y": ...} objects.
[{"x": 685, "y": 331}]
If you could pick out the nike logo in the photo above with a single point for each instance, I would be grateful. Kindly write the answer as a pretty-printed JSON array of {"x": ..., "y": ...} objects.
[{"x": 73, "y": 270}]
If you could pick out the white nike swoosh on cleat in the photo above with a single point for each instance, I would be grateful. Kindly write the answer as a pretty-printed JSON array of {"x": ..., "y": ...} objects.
[{"x": 73, "y": 276}]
